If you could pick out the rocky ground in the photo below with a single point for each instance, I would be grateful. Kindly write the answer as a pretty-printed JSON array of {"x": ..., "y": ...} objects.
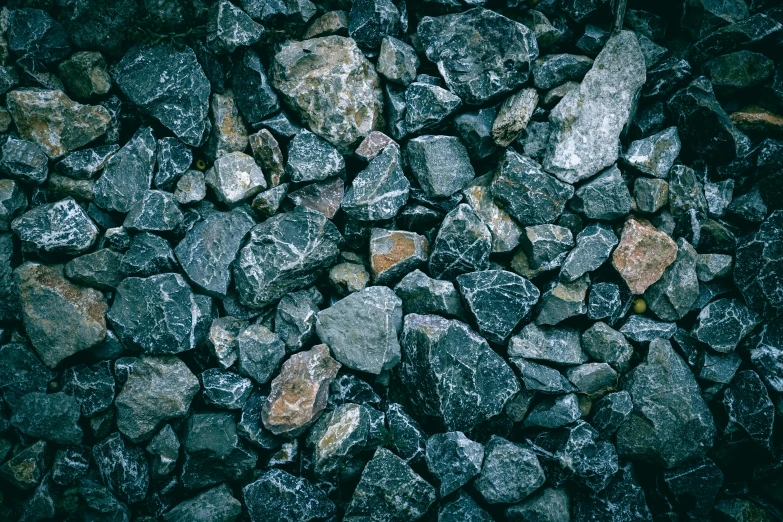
[{"x": 391, "y": 260}]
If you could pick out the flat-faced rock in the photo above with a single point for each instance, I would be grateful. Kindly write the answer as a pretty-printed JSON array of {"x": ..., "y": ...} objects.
[
  {"x": 278, "y": 494},
  {"x": 594, "y": 244},
  {"x": 70, "y": 464},
  {"x": 610, "y": 412},
  {"x": 454, "y": 459},
  {"x": 157, "y": 211},
  {"x": 92, "y": 386},
  {"x": 259, "y": 352},
  {"x": 62, "y": 227},
  {"x": 541, "y": 378},
  {"x": 267, "y": 153},
  {"x": 463, "y": 244},
  {"x": 563, "y": 300},
  {"x": 148, "y": 255},
  {"x": 158, "y": 389},
  {"x": 295, "y": 319},
  {"x": 749, "y": 410},
  {"x": 397, "y": 61},
  {"x": 475, "y": 129},
  {"x": 655, "y": 154},
  {"x": 546, "y": 246},
  {"x": 12, "y": 202},
  {"x": 84, "y": 74},
  {"x": 606, "y": 344},
  {"x": 338, "y": 436},
  {"x": 54, "y": 121},
  {"x": 650, "y": 195},
  {"x": 174, "y": 159},
  {"x": 229, "y": 27},
  {"x": 588, "y": 121},
  {"x": 479, "y": 53},
  {"x": 26, "y": 467},
  {"x": 462, "y": 509},
  {"x": 33, "y": 32},
  {"x": 324, "y": 196},
  {"x": 722, "y": 324},
  {"x": 128, "y": 174},
  {"x": 758, "y": 267},
  {"x": 52, "y": 417},
  {"x": 554, "y": 412},
  {"x": 347, "y": 278},
  {"x": 310, "y": 158},
  {"x": 24, "y": 160},
  {"x": 330, "y": 83},
  {"x": 394, "y": 253},
  {"x": 545, "y": 343},
  {"x": 228, "y": 132},
  {"x": 605, "y": 197},
  {"x": 254, "y": 96},
  {"x": 122, "y": 467},
  {"x": 225, "y": 389},
  {"x": 369, "y": 21},
  {"x": 423, "y": 295},
  {"x": 510, "y": 472},
  {"x": 440, "y": 164},
  {"x": 547, "y": 505},
  {"x": 427, "y": 106},
  {"x": 643, "y": 254},
  {"x": 505, "y": 230},
  {"x": 379, "y": 191},
  {"x": 215, "y": 505},
  {"x": 235, "y": 177},
  {"x": 672, "y": 296},
  {"x": 513, "y": 116},
  {"x": 554, "y": 69}
]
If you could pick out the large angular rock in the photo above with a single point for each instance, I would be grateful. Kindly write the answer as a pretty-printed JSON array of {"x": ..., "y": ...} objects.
[
  {"x": 480, "y": 54},
  {"x": 670, "y": 422},
  {"x": 673, "y": 295},
  {"x": 159, "y": 314},
  {"x": 510, "y": 473},
  {"x": 60, "y": 318},
  {"x": 24, "y": 160},
  {"x": 605, "y": 344},
  {"x": 563, "y": 300},
  {"x": 394, "y": 253},
  {"x": 181, "y": 101},
  {"x": 128, "y": 174},
  {"x": 284, "y": 254},
  {"x": 427, "y": 106},
  {"x": 33, "y": 32},
  {"x": 454, "y": 459},
  {"x": 588, "y": 121},
  {"x": 278, "y": 495},
  {"x": 505, "y": 230},
  {"x": 158, "y": 389},
  {"x": 157, "y": 211},
  {"x": 122, "y": 467},
  {"x": 606, "y": 197},
  {"x": 758, "y": 267},
  {"x": 330, "y": 83},
  {"x": 439, "y": 354},
  {"x": 371, "y": 20},
  {"x": 254, "y": 96},
  {"x": 594, "y": 245},
  {"x": 440, "y": 163},
  {"x": 422, "y": 295},
  {"x": 92, "y": 386},
  {"x": 337, "y": 437},
  {"x": 54, "y": 121},
  {"x": 498, "y": 301},
  {"x": 463, "y": 244},
  {"x": 148, "y": 255},
  {"x": 52, "y": 417},
  {"x": 623, "y": 500},
  {"x": 550, "y": 344},
  {"x": 546, "y": 246},
  {"x": 56, "y": 228},
  {"x": 722, "y": 324},
  {"x": 379, "y": 191},
  {"x": 643, "y": 254},
  {"x": 210, "y": 247}
]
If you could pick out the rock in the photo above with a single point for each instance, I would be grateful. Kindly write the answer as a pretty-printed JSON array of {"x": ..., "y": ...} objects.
[
  {"x": 652, "y": 51},
  {"x": 394, "y": 253},
  {"x": 128, "y": 174},
  {"x": 438, "y": 353},
  {"x": 84, "y": 164},
  {"x": 254, "y": 96},
  {"x": 530, "y": 195},
  {"x": 375, "y": 143},
  {"x": 673, "y": 295},
  {"x": 250, "y": 426},
  {"x": 606, "y": 344},
  {"x": 749, "y": 410},
  {"x": 454, "y": 459},
  {"x": 369, "y": 21},
  {"x": 397, "y": 61},
  {"x": 84, "y": 74},
  {"x": 291, "y": 499},
  {"x": 92, "y": 386},
  {"x": 611, "y": 412},
  {"x": 267, "y": 203},
  {"x": 34, "y": 33},
  {"x": 310, "y": 158},
  {"x": 739, "y": 70},
  {"x": 229, "y": 28},
  {"x": 685, "y": 192},
  {"x": 305, "y": 377},
  {"x": 333, "y": 22},
  {"x": 655, "y": 154},
  {"x": 686, "y": 429},
  {"x": 562, "y": 301},
  {"x": 21, "y": 372},
  {"x": 557, "y": 345},
  {"x": 440, "y": 163},
  {"x": 510, "y": 473},
  {"x": 712, "y": 266},
  {"x": 643, "y": 254},
  {"x": 26, "y": 467},
  {"x": 235, "y": 177},
  {"x": 181, "y": 104},
  {"x": 494, "y": 60},
  {"x": 210, "y": 247},
  {"x": 605, "y": 197},
  {"x": 295, "y": 319},
  {"x": 164, "y": 447},
  {"x": 605, "y": 302},
  {"x": 554, "y": 412},
  {"x": 594, "y": 244},
  {"x": 284, "y": 254},
  {"x": 462, "y": 245},
  {"x": 427, "y": 106},
  {"x": 325, "y": 80},
  {"x": 70, "y": 464},
  {"x": 483, "y": 292},
  {"x": 722, "y": 324},
  {"x": 592, "y": 378},
  {"x": 741, "y": 33},
  {"x": 641, "y": 329},
  {"x": 122, "y": 467},
  {"x": 394, "y": 110},
  {"x": 407, "y": 437},
  {"x": 214, "y": 505},
  {"x": 665, "y": 77},
  {"x": 362, "y": 329},
  {"x": 99, "y": 269},
  {"x": 462, "y": 509},
  {"x": 475, "y": 129},
  {"x": 758, "y": 265},
  {"x": 12, "y": 203},
  {"x": 379, "y": 191},
  {"x": 55, "y": 122},
  {"x": 505, "y": 230},
  {"x": 337, "y": 437},
  {"x": 60, "y": 228},
  {"x": 702, "y": 17},
  {"x": 52, "y": 417},
  {"x": 422, "y": 295},
  {"x": 225, "y": 390},
  {"x": 583, "y": 140},
  {"x": 347, "y": 278},
  {"x": 749, "y": 206},
  {"x": 548, "y": 505},
  {"x": 157, "y": 211},
  {"x": 174, "y": 159},
  {"x": 260, "y": 352},
  {"x": 694, "y": 485},
  {"x": 222, "y": 338},
  {"x": 546, "y": 246},
  {"x": 554, "y": 69},
  {"x": 324, "y": 197},
  {"x": 540, "y": 378},
  {"x": 228, "y": 132},
  {"x": 148, "y": 255},
  {"x": 513, "y": 116},
  {"x": 24, "y": 160},
  {"x": 389, "y": 490},
  {"x": 622, "y": 500},
  {"x": 650, "y": 195}
]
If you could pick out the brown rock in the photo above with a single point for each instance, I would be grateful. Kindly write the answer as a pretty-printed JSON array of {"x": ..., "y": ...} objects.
[
  {"x": 228, "y": 132},
  {"x": 505, "y": 230},
  {"x": 333, "y": 22},
  {"x": 85, "y": 74},
  {"x": 322, "y": 196},
  {"x": 299, "y": 393},
  {"x": 54, "y": 121},
  {"x": 513, "y": 117},
  {"x": 394, "y": 253},
  {"x": 267, "y": 153},
  {"x": 643, "y": 254},
  {"x": 758, "y": 120},
  {"x": 372, "y": 145}
]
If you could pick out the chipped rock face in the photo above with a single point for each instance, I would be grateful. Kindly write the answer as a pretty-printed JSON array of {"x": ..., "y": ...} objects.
[
  {"x": 338, "y": 436},
  {"x": 643, "y": 254},
  {"x": 56, "y": 228},
  {"x": 654, "y": 155},
  {"x": 379, "y": 191},
  {"x": 235, "y": 177},
  {"x": 463, "y": 244},
  {"x": 505, "y": 230},
  {"x": 396, "y": 252},
  {"x": 128, "y": 174}
]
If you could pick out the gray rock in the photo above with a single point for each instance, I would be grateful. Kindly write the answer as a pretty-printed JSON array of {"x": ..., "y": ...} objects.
[
  {"x": 55, "y": 228},
  {"x": 606, "y": 344},
  {"x": 454, "y": 459},
  {"x": 235, "y": 177},
  {"x": 594, "y": 245},
  {"x": 52, "y": 417},
  {"x": 642, "y": 329},
  {"x": 510, "y": 473},
  {"x": 21, "y": 372},
  {"x": 284, "y": 254},
  {"x": 337, "y": 437},
  {"x": 605, "y": 302},
  {"x": 394, "y": 253},
  {"x": 369, "y": 21},
  {"x": 655, "y": 154},
  {"x": 548, "y": 505},
  {"x": 164, "y": 448},
  {"x": 462, "y": 509},
  {"x": 475, "y": 129},
  {"x": 25, "y": 468},
  {"x": 92, "y": 386},
  {"x": 439, "y": 353},
  {"x": 505, "y": 230},
  {"x": 427, "y": 106},
  {"x": 70, "y": 464},
  {"x": 347, "y": 278},
  {"x": 551, "y": 344},
  {"x": 554, "y": 69},
  {"x": 215, "y": 505},
  {"x": 59, "y": 317},
  {"x": 157, "y": 211},
  {"x": 99, "y": 269},
  {"x": 495, "y": 59},
  {"x": 222, "y": 339},
  {"x": 251, "y": 427},
  {"x": 407, "y": 437},
  {"x": 148, "y": 255},
  {"x": 651, "y": 195},
  {"x": 712, "y": 266},
  {"x": 214, "y": 453},
  {"x": 397, "y": 61},
  {"x": 673, "y": 295},
  {"x": 324, "y": 197},
  {"x": 540, "y": 378},
  {"x": 606, "y": 197},
  {"x": 174, "y": 159},
  {"x": 379, "y": 191},
  {"x": 191, "y": 188},
  {"x": 562, "y": 301},
  {"x": 582, "y": 142},
  {"x": 685, "y": 192},
  {"x": 225, "y": 390},
  {"x": 254, "y": 96},
  {"x": 463, "y": 244},
  {"x": 122, "y": 467},
  {"x": 749, "y": 206},
  {"x": 554, "y": 412},
  {"x": 128, "y": 174},
  {"x": 722, "y": 324},
  {"x": 758, "y": 264},
  {"x": 228, "y": 131},
  {"x": 268, "y": 202},
  {"x": 422, "y": 295},
  {"x": 611, "y": 412},
  {"x": 12, "y": 203},
  {"x": 513, "y": 116},
  {"x": 260, "y": 352},
  {"x": 311, "y": 158},
  {"x": 295, "y": 319},
  {"x": 592, "y": 378},
  {"x": 546, "y": 246},
  {"x": 180, "y": 104},
  {"x": 288, "y": 498},
  {"x": 24, "y": 160},
  {"x": 529, "y": 194},
  {"x": 440, "y": 163},
  {"x": 362, "y": 329},
  {"x": 622, "y": 500},
  {"x": 84, "y": 164},
  {"x": 229, "y": 27},
  {"x": 670, "y": 422}
]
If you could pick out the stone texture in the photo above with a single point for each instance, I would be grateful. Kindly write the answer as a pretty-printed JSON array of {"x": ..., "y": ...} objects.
[
  {"x": 673, "y": 295},
  {"x": 379, "y": 191},
  {"x": 758, "y": 267},
  {"x": 56, "y": 228},
  {"x": 397, "y": 61},
  {"x": 122, "y": 467},
  {"x": 52, "y": 417},
  {"x": 463, "y": 244},
  {"x": 513, "y": 116},
  {"x": 279, "y": 494},
  {"x": 394, "y": 253},
  {"x": 84, "y": 74},
  {"x": 551, "y": 344},
  {"x": 594, "y": 245},
  {"x": 440, "y": 164},
  {"x": 605, "y": 197},
  {"x": 128, "y": 174},
  {"x": 643, "y": 254},
  {"x": 722, "y": 324},
  {"x": 422, "y": 295},
  {"x": 24, "y": 160},
  {"x": 229, "y": 27},
  {"x": 563, "y": 301},
  {"x": 428, "y": 106},
  {"x": 235, "y": 177},
  {"x": 454, "y": 459},
  {"x": 510, "y": 472},
  {"x": 505, "y": 230},
  {"x": 655, "y": 154}
]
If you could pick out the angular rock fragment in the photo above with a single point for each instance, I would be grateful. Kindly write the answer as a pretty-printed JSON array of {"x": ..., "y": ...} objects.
[
  {"x": 164, "y": 447},
  {"x": 397, "y": 61},
  {"x": 174, "y": 159},
  {"x": 672, "y": 296},
  {"x": 338, "y": 436},
  {"x": 741, "y": 33},
  {"x": 454, "y": 459},
  {"x": 128, "y": 174},
  {"x": 554, "y": 412},
  {"x": 408, "y": 439},
  {"x": 546, "y": 246},
  {"x": 475, "y": 129},
  {"x": 52, "y": 417},
  {"x": 606, "y": 344},
  {"x": 510, "y": 472},
  {"x": 712, "y": 266},
  {"x": 394, "y": 253},
  {"x": 278, "y": 494},
  {"x": 92, "y": 387},
  {"x": 642, "y": 329},
  {"x": 235, "y": 177},
  {"x": 611, "y": 412},
  {"x": 722, "y": 324},
  {"x": 440, "y": 164},
  {"x": 463, "y": 244},
  {"x": 70, "y": 464},
  {"x": 513, "y": 116},
  {"x": 348, "y": 278},
  {"x": 594, "y": 244},
  {"x": 33, "y": 32},
  {"x": 214, "y": 505},
  {"x": 148, "y": 255},
  {"x": 427, "y": 106},
  {"x": 122, "y": 467},
  {"x": 254, "y": 96},
  {"x": 228, "y": 132},
  {"x": 226, "y": 390},
  {"x": 606, "y": 197},
  {"x": 462, "y": 509},
  {"x": 222, "y": 338},
  {"x": 55, "y": 228},
  {"x": 372, "y": 20},
  {"x": 540, "y": 378},
  {"x": 650, "y": 195},
  {"x": 562, "y": 301},
  {"x": 157, "y": 211},
  {"x": 295, "y": 319},
  {"x": 655, "y": 154},
  {"x": 758, "y": 267},
  {"x": 643, "y": 254},
  {"x": 505, "y": 230},
  {"x": 592, "y": 378},
  {"x": 422, "y": 295},
  {"x": 24, "y": 160},
  {"x": 548, "y": 505},
  {"x": 379, "y": 191},
  {"x": 259, "y": 352},
  {"x": 749, "y": 410},
  {"x": 324, "y": 197},
  {"x": 12, "y": 203},
  {"x": 557, "y": 345},
  {"x": 554, "y": 69},
  {"x": 310, "y": 158},
  {"x": 228, "y": 28},
  {"x": 267, "y": 203},
  {"x": 85, "y": 74}
]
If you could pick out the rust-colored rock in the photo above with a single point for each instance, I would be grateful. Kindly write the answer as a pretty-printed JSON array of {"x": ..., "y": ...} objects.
[
  {"x": 372, "y": 145},
  {"x": 267, "y": 153},
  {"x": 643, "y": 254},
  {"x": 758, "y": 120},
  {"x": 394, "y": 253},
  {"x": 299, "y": 393}
]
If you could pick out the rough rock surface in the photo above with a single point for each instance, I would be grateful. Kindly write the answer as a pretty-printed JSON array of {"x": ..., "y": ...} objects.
[{"x": 643, "y": 254}]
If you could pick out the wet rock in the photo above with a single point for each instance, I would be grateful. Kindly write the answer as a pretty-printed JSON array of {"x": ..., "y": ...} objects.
[
  {"x": 91, "y": 386},
  {"x": 128, "y": 174},
  {"x": 324, "y": 197},
  {"x": 606, "y": 344},
  {"x": 673, "y": 295},
  {"x": 423, "y": 295},
  {"x": 305, "y": 377},
  {"x": 397, "y": 61},
  {"x": 463, "y": 244},
  {"x": 530, "y": 195},
  {"x": 279, "y": 494},
  {"x": 498, "y": 301},
  {"x": 548, "y": 505},
  {"x": 749, "y": 410},
  {"x": 431, "y": 348},
  {"x": 229, "y": 28},
  {"x": 24, "y": 160},
  {"x": 605, "y": 197},
  {"x": 454, "y": 459},
  {"x": 325, "y": 80},
  {"x": 284, "y": 254},
  {"x": 685, "y": 431},
  {"x": 475, "y": 129},
  {"x": 159, "y": 314},
  {"x": 510, "y": 472},
  {"x": 722, "y": 324},
  {"x": 557, "y": 345},
  {"x": 611, "y": 412},
  {"x": 513, "y": 116},
  {"x": 337, "y": 437},
  {"x": 427, "y": 106},
  {"x": 260, "y": 352},
  {"x": 55, "y": 122},
  {"x": 52, "y": 417},
  {"x": 594, "y": 244},
  {"x": 214, "y": 505},
  {"x": 562, "y": 301},
  {"x": 650, "y": 195},
  {"x": 295, "y": 319},
  {"x": 554, "y": 412},
  {"x": 656, "y": 154},
  {"x": 55, "y": 228},
  {"x": 554, "y": 69},
  {"x": 181, "y": 104},
  {"x": 25, "y": 468},
  {"x": 379, "y": 191},
  {"x": 122, "y": 467},
  {"x": 84, "y": 74},
  {"x": 362, "y": 329},
  {"x": 495, "y": 59},
  {"x": 643, "y": 254},
  {"x": 440, "y": 163},
  {"x": 164, "y": 447},
  {"x": 582, "y": 143},
  {"x": 394, "y": 253},
  {"x": 758, "y": 264},
  {"x": 12, "y": 203}
]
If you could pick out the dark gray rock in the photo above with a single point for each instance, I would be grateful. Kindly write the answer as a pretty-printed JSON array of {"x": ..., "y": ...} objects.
[
  {"x": 546, "y": 246},
  {"x": 12, "y": 203},
  {"x": 324, "y": 197},
  {"x": 260, "y": 352},
  {"x": 665, "y": 77},
  {"x": 505, "y": 230},
  {"x": 295, "y": 319},
  {"x": 544, "y": 379},
  {"x": 164, "y": 448},
  {"x": 553, "y": 69},
  {"x": 228, "y": 28},
  {"x": 510, "y": 473},
  {"x": 623, "y": 500},
  {"x": 554, "y": 412},
  {"x": 254, "y": 96},
  {"x": 369, "y": 21},
  {"x": 548, "y": 505},
  {"x": 463, "y": 244},
  {"x": 397, "y": 61},
  {"x": 740, "y": 33},
  {"x": 26, "y": 467},
  {"x": 606, "y": 344},
  {"x": 592, "y": 378},
  {"x": 440, "y": 164},
  {"x": 462, "y": 509},
  {"x": 475, "y": 129},
  {"x": 611, "y": 412},
  {"x": 156, "y": 211},
  {"x": 408, "y": 439},
  {"x": 21, "y": 372},
  {"x": 122, "y": 467},
  {"x": 91, "y": 386},
  {"x": 606, "y": 197},
  {"x": 224, "y": 389},
  {"x": 427, "y": 106},
  {"x": 223, "y": 333},
  {"x": 218, "y": 454},
  {"x": 284, "y": 254},
  {"x": 749, "y": 410},
  {"x": 24, "y": 160},
  {"x": 277, "y": 494},
  {"x": 99, "y": 269},
  {"x": 33, "y": 32},
  {"x": 749, "y": 206},
  {"x": 394, "y": 110},
  {"x": 551, "y": 344},
  {"x": 70, "y": 464},
  {"x": 337, "y": 437},
  {"x": 685, "y": 192},
  {"x": 128, "y": 173},
  {"x": 379, "y": 191},
  {"x": 174, "y": 159},
  {"x": 594, "y": 245},
  {"x": 55, "y": 228},
  {"x": 563, "y": 301},
  {"x": 758, "y": 267},
  {"x": 148, "y": 255},
  {"x": 722, "y": 324},
  {"x": 480, "y": 54},
  {"x": 52, "y": 417},
  {"x": 454, "y": 459},
  {"x": 311, "y": 158},
  {"x": 438, "y": 353},
  {"x": 673, "y": 295},
  {"x": 180, "y": 104},
  {"x": 642, "y": 329},
  {"x": 251, "y": 427},
  {"x": 739, "y": 70},
  {"x": 650, "y": 195},
  {"x": 268, "y": 202},
  {"x": 422, "y": 295},
  {"x": 215, "y": 505}
]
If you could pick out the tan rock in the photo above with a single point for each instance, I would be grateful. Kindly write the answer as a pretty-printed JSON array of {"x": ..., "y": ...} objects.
[
  {"x": 643, "y": 254},
  {"x": 299, "y": 393},
  {"x": 333, "y": 22},
  {"x": 513, "y": 117},
  {"x": 228, "y": 132},
  {"x": 394, "y": 253},
  {"x": 756, "y": 119},
  {"x": 267, "y": 153},
  {"x": 505, "y": 230}
]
